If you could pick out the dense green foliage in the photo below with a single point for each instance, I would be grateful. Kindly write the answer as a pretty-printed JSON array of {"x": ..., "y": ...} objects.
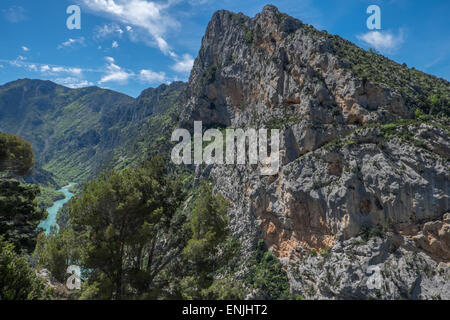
[
  {"x": 18, "y": 281},
  {"x": 131, "y": 235},
  {"x": 122, "y": 219},
  {"x": 19, "y": 216},
  {"x": 16, "y": 156},
  {"x": 56, "y": 252},
  {"x": 268, "y": 276},
  {"x": 209, "y": 235}
]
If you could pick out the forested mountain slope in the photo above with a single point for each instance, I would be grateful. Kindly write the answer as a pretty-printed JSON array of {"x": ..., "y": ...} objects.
[{"x": 74, "y": 132}]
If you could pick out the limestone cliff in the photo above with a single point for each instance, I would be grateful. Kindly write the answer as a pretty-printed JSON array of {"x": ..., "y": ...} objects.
[{"x": 364, "y": 178}]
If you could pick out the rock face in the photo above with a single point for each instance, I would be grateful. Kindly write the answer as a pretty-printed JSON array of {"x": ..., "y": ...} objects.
[{"x": 363, "y": 187}]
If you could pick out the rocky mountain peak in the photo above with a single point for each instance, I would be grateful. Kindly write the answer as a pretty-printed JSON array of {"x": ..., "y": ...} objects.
[
  {"x": 355, "y": 163},
  {"x": 270, "y": 8},
  {"x": 253, "y": 68}
]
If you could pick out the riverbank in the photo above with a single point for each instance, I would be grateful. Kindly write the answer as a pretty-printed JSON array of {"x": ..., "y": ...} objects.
[{"x": 48, "y": 223}]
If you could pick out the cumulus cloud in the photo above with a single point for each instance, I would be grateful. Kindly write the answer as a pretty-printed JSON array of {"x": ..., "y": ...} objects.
[
  {"x": 114, "y": 73},
  {"x": 146, "y": 15},
  {"x": 24, "y": 48},
  {"x": 384, "y": 41},
  {"x": 184, "y": 65},
  {"x": 151, "y": 76},
  {"x": 115, "y": 44},
  {"x": 142, "y": 20},
  {"x": 71, "y": 42},
  {"x": 45, "y": 68}
]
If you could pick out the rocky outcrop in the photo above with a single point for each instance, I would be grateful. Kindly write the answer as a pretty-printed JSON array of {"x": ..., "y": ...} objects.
[
  {"x": 435, "y": 238},
  {"x": 388, "y": 267},
  {"x": 353, "y": 193}
]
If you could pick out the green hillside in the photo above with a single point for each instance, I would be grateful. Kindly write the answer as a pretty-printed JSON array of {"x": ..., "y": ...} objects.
[{"x": 75, "y": 133}]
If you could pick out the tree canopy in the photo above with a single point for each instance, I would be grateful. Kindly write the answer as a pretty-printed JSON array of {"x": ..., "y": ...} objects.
[
  {"x": 136, "y": 236},
  {"x": 18, "y": 281},
  {"x": 19, "y": 214},
  {"x": 16, "y": 155}
]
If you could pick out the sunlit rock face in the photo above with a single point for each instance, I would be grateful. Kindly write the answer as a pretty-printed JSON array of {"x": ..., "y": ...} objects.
[{"x": 352, "y": 192}]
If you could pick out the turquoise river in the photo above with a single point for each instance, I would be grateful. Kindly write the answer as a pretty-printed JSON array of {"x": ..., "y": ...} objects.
[{"x": 53, "y": 210}]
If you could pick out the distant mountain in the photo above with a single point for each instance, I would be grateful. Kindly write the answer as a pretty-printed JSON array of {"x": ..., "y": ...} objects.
[{"x": 74, "y": 132}]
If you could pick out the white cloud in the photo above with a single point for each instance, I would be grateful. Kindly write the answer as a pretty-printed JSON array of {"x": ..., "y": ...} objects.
[
  {"x": 151, "y": 76},
  {"x": 198, "y": 2},
  {"x": 149, "y": 16},
  {"x": 68, "y": 76},
  {"x": 184, "y": 65},
  {"x": 108, "y": 30},
  {"x": 48, "y": 69},
  {"x": 70, "y": 70},
  {"x": 110, "y": 59},
  {"x": 115, "y": 44},
  {"x": 71, "y": 42},
  {"x": 19, "y": 62},
  {"x": 115, "y": 73},
  {"x": 73, "y": 83},
  {"x": 115, "y": 76},
  {"x": 14, "y": 14},
  {"x": 22, "y": 62},
  {"x": 382, "y": 40},
  {"x": 45, "y": 68},
  {"x": 24, "y": 48}
]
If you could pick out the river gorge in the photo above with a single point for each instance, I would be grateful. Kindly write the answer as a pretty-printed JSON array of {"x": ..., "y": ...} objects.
[{"x": 53, "y": 210}]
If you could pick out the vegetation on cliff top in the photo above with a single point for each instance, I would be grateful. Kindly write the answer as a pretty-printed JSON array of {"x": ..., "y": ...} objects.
[{"x": 420, "y": 90}]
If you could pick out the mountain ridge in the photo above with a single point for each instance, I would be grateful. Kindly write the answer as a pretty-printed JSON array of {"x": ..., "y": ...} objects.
[{"x": 61, "y": 121}]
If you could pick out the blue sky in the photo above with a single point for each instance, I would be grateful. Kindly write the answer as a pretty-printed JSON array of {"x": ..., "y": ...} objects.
[{"x": 130, "y": 45}]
